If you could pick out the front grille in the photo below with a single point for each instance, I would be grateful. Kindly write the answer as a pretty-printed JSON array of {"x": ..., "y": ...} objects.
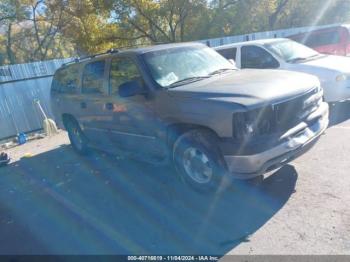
[
  {"x": 290, "y": 113},
  {"x": 276, "y": 118}
]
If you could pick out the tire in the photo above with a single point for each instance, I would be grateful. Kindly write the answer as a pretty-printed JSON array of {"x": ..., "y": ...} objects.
[
  {"x": 199, "y": 162},
  {"x": 77, "y": 137}
]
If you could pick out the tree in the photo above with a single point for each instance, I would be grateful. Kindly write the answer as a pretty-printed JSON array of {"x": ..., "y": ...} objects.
[
  {"x": 11, "y": 11},
  {"x": 298, "y": 13},
  {"x": 47, "y": 19},
  {"x": 278, "y": 8},
  {"x": 89, "y": 28},
  {"x": 157, "y": 21},
  {"x": 32, "y": 30}
]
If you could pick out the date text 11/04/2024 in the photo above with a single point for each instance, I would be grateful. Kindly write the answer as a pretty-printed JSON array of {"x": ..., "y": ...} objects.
[{"x": 173, "y": 258}]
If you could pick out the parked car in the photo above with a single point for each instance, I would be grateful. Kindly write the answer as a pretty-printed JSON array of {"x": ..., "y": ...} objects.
[
  {"x": 186, "y": 104},
  {"x": 333, "y": 40},
  {"x": 285, "y": 54}
]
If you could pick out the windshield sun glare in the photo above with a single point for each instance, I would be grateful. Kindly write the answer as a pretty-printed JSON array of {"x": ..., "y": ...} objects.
[{"x": 172, "y": 66}]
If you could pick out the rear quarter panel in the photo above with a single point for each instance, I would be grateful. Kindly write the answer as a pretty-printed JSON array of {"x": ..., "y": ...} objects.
[{"x": 66, "y": 103}]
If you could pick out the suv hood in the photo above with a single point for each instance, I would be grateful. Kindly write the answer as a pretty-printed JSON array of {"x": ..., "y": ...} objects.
[{"x": 250, "y": 88}]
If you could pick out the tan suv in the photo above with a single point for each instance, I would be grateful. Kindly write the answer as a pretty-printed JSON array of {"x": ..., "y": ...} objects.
[{"x": 186, "y": 104}]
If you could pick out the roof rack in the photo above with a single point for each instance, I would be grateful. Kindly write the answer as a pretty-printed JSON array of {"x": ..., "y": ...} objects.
[
  {"x": 142, "y": 45},
  {"x": 79, "y": 59},
  {"x": 110, "y": 51}
]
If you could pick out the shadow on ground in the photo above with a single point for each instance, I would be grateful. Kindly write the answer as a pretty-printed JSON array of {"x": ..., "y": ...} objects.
[
  {"x": 61, "y": 203},
  {"x": 339, "y": 112}
]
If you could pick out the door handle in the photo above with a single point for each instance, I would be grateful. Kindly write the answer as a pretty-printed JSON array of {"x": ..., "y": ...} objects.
[
  {"x": 83, "y": 105},
  {"x": 109, "y": 106}
]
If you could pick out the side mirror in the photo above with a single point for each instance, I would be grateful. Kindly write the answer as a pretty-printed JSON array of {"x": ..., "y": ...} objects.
[
  {"x": 130, "y": 88},
  {"x": 232, "y": 62}
]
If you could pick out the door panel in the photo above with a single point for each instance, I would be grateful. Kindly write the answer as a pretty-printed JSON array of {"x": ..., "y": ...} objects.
[
  {"x": 93, "y": 114},
  {"x": 135, "y": 123}
]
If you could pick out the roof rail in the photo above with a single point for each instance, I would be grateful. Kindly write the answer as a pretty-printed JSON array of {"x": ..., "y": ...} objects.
[
  {"x": 142, "y": 45},
  {"x": 79, "y": 59},
  {"x": 110, "y": 51},
  {"x": 113, "y": 50},
  {"x": 74, "y": 60},
  {"x": 99, "y": 54}
]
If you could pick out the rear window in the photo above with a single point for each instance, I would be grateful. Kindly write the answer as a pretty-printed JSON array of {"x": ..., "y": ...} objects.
[
  {"x": 66, "y": 79},
  {"x": 229, "y": 53}
]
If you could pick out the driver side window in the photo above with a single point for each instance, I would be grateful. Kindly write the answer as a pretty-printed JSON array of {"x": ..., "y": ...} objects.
[
  {"x": 122, "y": 70},
  {"x": 257, "y": 57}
]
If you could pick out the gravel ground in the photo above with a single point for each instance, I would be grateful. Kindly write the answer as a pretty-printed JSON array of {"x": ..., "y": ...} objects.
[{"x": 56, "y": 202}]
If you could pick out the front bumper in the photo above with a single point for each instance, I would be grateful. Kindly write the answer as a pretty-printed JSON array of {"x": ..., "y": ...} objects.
[
  {"x": 336, "y": 92},
  {"x": 296, "y": 142}
]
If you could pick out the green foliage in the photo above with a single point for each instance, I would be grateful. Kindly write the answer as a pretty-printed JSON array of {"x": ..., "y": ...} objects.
[
  {"x": 33, "y": 30},
  {"x": 159, "y": 21},
  {"x": 12, "y": 10}
]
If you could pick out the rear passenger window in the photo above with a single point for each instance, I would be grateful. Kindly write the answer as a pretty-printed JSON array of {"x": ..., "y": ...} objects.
[
  {"x": 93, "y": 78},
  {"x": 122, "y": 70},
  {"x": 66, "y": 80},
  {"x": 229, "y": 53},
  {"x": 257, "y": 57}
]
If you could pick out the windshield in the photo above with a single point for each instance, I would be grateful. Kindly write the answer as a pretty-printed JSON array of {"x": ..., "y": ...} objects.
[
  {"x": 291, "y": 51},
  {"x": 177, "y": 66}
]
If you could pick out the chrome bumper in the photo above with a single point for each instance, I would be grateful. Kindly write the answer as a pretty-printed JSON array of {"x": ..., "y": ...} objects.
[
  {"x": 297, "y": 141},
  {"x": 337, "y": 92}
]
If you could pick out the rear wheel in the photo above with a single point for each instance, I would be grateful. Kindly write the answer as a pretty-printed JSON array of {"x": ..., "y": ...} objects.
[
  {"x": 199, "y": 162},
  {"x": 77, "y": 137}
]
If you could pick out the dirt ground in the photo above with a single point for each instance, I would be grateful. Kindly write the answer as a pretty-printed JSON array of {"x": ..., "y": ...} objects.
[{"x": 53, "y": 201}]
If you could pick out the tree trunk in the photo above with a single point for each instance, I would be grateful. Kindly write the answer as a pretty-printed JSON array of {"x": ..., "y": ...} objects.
[{"x": 10, "y": 54}]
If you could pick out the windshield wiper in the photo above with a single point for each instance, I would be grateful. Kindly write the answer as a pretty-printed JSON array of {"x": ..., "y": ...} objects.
[
  {"x": 303, "y": 58},
  {"x": 219, "y": 71},
  {"x": 317, "y": 56},
  {"x": 296, "y": 59},
  {"x": 188, "y": 80}
]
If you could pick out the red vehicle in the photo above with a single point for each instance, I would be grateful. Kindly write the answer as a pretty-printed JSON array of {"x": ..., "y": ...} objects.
[{"x": 333, "y": 40}]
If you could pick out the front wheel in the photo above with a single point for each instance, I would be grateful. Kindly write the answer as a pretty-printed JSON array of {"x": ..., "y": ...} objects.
[{"x": 199, "y": 162}]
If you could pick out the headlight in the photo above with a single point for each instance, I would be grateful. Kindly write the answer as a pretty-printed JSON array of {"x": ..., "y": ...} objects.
[
  {"x": 252, "y": 123},
  {"x": 319, "y": 89},
  {"x": 239, "y": 125},
  {"x": 341, "y": 77}
]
